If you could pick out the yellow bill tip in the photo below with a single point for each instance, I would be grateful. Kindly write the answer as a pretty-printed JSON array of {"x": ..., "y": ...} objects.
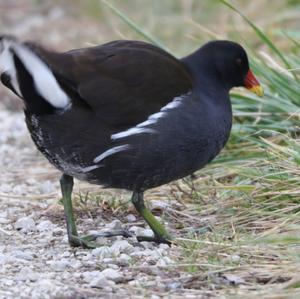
[{"x": 257, "y": 89}]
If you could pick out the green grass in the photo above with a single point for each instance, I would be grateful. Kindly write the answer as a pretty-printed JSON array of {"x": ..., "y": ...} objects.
[{"x": 249, "y": 196}]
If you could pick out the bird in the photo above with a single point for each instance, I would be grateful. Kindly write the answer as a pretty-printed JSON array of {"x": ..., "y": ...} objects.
[{"x": 126, "y": 114}]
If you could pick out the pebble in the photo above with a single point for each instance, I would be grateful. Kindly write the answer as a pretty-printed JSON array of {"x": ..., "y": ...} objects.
[
  {"x": 76, "y": 265},
  {"x": 112, "y": 274},
  {"x": 139, "y": 231},
  {"x": 5, "y": 188},
  {"x": 101, "y": 282},
  {"x": 25, "y": 224},
  {"x": 143, "y": 253},
  {"x": 164, "y": 261},
  {"x": 146, "y": 232},
  {"x": 124, "y": 258},
  {"x": 108, "y": 260},
  {"x": 130, "y": 218},
  {"x": 47, "y": 187},
  {"x": 23, "y": 255},
  {"x": 45, "y": 225},
  {"x": 59, "y": 266},
  {"x": 114, "y": 225},
  {"x": 164, "y": 246},
  {"x": 4, "y": 258},
  {"x": 102, "y": 252},
  {"x": 89, "y": 275},
  {"x": 4, "y": 220},
  {"x": 121, "y": 246},
  {"x": 235, "y": 258},
  {"x": 27, "y": 273},
  {"x": 158, "y": 204},
  {"x": 20, "y": 189}
]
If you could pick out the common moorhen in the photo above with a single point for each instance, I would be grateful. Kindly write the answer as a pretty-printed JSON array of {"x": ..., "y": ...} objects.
[{"x": 125, "y": 114}]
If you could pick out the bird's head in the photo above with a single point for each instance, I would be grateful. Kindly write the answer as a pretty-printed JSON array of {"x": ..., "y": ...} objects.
[
  {"x": 231, "y": 62},
  {"x": 228, "y": 62}
]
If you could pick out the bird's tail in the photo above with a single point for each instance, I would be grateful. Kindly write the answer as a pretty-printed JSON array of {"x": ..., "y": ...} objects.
[{"x": 24, "y": 72}]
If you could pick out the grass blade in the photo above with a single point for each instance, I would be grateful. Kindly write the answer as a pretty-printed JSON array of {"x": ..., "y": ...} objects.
[
  {"x": 262, "y": 36},
  {"x": 135, "y": 26}
]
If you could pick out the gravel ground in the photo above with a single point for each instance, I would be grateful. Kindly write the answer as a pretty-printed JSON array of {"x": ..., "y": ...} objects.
[{"x": 36, "y": 259}]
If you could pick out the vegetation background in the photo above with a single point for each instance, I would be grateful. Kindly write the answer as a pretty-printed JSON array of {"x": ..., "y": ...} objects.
[{"x": 240, "y": 220}]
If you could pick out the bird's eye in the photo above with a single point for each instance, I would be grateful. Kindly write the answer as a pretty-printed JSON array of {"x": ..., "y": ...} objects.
[{"x": 239, "y": 62}]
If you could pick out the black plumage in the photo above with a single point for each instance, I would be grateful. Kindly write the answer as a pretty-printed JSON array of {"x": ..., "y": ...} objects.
[{"x": 136, "y": 117}]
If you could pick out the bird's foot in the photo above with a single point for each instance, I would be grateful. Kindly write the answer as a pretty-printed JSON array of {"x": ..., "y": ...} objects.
[
  {"x": 88, "y": 241},
  {"x": 156, "y": 239}
]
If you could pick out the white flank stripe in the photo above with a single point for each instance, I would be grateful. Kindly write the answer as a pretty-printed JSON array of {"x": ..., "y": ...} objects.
[
  {"x": 89, "y": 168},
  {"x": 132, "y": 131},
  {"x": 157, "y": 115},
  {"x": 152, "y": 119},
  {"x": 147, "y": 123},
  {"x": 44, "y": 80},
  {"x": 175, "y": 103},
  {"x": 111, "y": 151}
]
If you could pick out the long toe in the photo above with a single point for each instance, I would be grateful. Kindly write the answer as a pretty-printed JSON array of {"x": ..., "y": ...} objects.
[{"x": 156, "y": 239}]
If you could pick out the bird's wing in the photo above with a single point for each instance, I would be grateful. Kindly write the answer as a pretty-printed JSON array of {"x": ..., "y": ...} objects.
[{"x": 123, "y": 82}]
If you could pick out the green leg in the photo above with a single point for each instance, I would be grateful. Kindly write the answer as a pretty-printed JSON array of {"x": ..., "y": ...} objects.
[
  {"x": 160, "y": 233},
  {"x": 66, "y": 183}
]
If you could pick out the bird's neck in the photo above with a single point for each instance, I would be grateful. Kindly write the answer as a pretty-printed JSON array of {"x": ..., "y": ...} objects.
[{"x": 206, "y": 79}]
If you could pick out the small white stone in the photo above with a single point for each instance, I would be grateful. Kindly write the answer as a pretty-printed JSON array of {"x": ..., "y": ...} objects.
[
  {"x": 121, "y": 246},
  {"x": 5, "y": 188},
  {"x": 76, "y": 265},
  {"x": 20, "y": 189},
  {"x": 148, "y": 245},
  {"x": 31, "y": 181},
  {"x": 158, "y": 204},
  {"x": 47, "y": 187},
  {"x": 89, "y": 275},
  {"x": 130, "y": 218},
  {"x": 60, "y": 266},
  {"x": 101, "y": 282},
  {"x": 164, "y": 246},
  {"x": 112, "y": 274},
  {"x": 139, "y": 231},
  {"x": 66, "y": 254},
  {"x": 164, "y": 261},
  {"x": 235, "y": 258},
  {"x": 25, "y": 224},
  {"x": 147, "y": 232},
  {"x": 114, "y": 225},
  {"x": 108, "y": 260},
  {"x": 27, "y": 273},
  {"x": 139, "y": 254},
  {"x": 4, "y": 258},
  {"x": 4, "y": 220},
  {"x": 23, "y": 255},
  {"x": 125, "y": 259},
  {"x": 46, "y": 285},
  {"x": 45, "y": 225},
  {"x": 113, "y": 266},
  {"x": 102, "y": 252}
]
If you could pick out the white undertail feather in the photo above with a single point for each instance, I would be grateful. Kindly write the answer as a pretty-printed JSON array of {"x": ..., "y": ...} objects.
[
  {"x": 152, "y": 119},
  {"x": 7, "y": 65},
  {"x": 44, "y": 81}
]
